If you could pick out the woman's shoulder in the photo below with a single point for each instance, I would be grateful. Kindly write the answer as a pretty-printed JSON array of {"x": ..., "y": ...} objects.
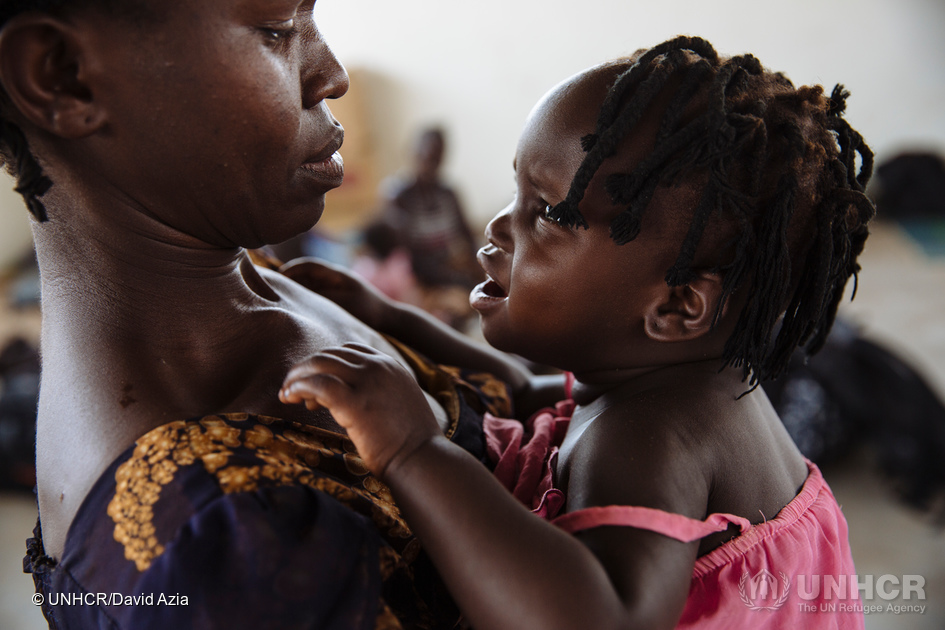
[{"x": 318, "y": 321}]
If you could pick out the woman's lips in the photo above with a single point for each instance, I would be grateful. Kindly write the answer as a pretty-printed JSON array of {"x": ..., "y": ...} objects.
[{"x": 330, "y": 171}]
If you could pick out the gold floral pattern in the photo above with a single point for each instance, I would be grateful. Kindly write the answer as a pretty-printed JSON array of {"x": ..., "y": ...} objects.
[
  {"x": 496, "y": 392},
  {"x": 387, "y": 620},
  {"x": 482, "y": 391},
  {"x": 245, "y": 452},
  {"x": 285, "y": 458}
]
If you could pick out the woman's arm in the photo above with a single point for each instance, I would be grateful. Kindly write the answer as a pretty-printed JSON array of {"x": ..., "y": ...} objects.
[{"x": 506, "y": 567}]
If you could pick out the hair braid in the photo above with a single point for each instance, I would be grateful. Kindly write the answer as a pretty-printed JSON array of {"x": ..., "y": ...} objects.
[
  {"x": 637, "y": 188},
  {"x": 603, "y": 144},
  {"x": 614, "y": 121},
  {"x": 31, "y": 182},
  {"x": 726, "y": 133}
]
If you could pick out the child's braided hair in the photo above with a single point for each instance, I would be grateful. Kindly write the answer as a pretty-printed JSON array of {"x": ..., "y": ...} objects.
[{"x": 772, "y": 157}]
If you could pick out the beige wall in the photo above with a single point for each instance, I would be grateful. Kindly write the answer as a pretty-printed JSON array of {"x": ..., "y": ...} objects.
[
  {"x": 478, "y": 66},
  {"x": 15, "y": 239}
]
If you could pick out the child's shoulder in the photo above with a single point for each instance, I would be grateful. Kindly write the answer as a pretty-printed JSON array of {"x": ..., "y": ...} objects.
[
  {"x": 679, "y": 412},
  {"x": 674, "y": 446},
  {"x": 628, "y": 450}
]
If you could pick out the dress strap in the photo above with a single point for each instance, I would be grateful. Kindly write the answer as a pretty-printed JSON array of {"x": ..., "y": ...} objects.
[{"x": 675, "y": 526}]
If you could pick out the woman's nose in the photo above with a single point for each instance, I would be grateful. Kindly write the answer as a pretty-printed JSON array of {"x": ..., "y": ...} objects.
[{"x": 323, "y": 76}]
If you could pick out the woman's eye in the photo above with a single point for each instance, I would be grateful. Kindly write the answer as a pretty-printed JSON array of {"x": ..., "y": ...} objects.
[{"x": 277, "y": 33}]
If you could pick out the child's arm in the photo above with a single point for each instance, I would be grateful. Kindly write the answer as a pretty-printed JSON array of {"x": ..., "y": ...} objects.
[
  {"x": 506, "y": 567},
  {"x": 424, "y": 333}
]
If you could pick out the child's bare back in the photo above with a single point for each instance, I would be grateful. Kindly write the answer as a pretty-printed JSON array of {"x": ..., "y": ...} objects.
[{"x": 693, "y": 449}]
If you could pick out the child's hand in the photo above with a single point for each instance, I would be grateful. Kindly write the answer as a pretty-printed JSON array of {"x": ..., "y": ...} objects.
[
  {"x": 342, "y": 287},
  {"x": 371, "y": 395}
]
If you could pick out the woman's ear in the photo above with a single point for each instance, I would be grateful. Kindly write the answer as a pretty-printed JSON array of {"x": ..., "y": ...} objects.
[
  {"x": 43, "y": 71},
  {"x": 685, "y": 312}
]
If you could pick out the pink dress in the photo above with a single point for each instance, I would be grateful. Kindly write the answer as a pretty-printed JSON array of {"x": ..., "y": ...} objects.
[{"x": 793, "y": 571}]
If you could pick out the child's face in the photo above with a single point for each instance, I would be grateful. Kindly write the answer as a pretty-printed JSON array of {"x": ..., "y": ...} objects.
[
  {"x": 570, "y": 298},
  {"x": 429, "y": 157},
  {"x": 217, "y": 118}
]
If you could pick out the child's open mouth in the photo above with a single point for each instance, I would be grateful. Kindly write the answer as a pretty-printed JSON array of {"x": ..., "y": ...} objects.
[
  {"x": 491, "y": 288},
  {"x": 486, "y": 295}
]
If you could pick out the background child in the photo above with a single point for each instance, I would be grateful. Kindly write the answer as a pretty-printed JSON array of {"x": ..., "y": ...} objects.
[
  {"x": 683, "y": 222},
  {"x": 429, "y": 218},
  {"x": 430, "y": 223}
]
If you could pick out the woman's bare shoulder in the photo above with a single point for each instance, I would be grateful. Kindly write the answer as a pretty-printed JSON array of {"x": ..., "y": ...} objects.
[{"x": 323, "y": 321}]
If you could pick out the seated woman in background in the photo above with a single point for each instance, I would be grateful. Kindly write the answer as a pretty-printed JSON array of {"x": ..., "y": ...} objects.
[{"x": 153, "y": 141}]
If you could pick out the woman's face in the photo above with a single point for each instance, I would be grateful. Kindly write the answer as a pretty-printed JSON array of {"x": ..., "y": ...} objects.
[{"x": 217, "y": 123}]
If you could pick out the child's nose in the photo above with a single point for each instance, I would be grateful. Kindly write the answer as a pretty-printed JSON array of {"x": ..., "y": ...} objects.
[{"x": 497, "y": 230}]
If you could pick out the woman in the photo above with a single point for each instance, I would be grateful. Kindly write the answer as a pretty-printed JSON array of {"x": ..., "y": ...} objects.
[{"x": 153, "y": 141}]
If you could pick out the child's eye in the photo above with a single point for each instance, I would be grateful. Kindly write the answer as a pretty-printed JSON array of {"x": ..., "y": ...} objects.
[{"x": 545, "y": 214}]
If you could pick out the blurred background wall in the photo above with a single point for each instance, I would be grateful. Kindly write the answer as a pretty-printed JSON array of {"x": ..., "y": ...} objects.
[
  {"x": 15, "y": 239},
  {"x": 477, "y": 68}
]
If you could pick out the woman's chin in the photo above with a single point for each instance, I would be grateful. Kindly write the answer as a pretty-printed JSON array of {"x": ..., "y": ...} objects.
[{"x": 292, "y": 225}]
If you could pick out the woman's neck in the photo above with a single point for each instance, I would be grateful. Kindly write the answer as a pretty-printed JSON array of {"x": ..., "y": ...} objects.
[
  {"x": 131, "y": 276},
  {"x": 142, "y": 325},
  {"x": 137, "y": 312}
]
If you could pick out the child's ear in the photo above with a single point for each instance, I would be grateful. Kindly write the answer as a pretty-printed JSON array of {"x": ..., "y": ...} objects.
[
  {"x": 687, "y": 311},
  {"x": 43, "y": 68}
]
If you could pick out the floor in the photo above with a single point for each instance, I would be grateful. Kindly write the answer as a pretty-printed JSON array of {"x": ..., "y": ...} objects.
[{"x": 900, "y": 301}]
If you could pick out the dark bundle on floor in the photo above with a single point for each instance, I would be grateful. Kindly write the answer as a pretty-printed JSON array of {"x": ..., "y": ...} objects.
[
  {"x": 856, "y": 393},
  {"x": 19, "y": 391}
]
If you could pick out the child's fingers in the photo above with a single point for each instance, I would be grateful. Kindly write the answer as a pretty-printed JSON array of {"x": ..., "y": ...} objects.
[
  {"x": 349, "y": 364},
  {"x": 325, "y": 361},
  {"x": 346, "y": 361},
  {"x": 356, "y": 353},
  {"x": 317, "y": 366},
  {"x": 315, "y": 390},
  {"x": 363, "y": 349}
]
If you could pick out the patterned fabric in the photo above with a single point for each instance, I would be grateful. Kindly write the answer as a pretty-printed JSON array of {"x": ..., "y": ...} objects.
[{"x": 245, "y": 521}]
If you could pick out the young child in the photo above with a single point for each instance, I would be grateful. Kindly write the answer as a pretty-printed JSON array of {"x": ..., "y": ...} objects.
[{"x": 683, "y": 222}]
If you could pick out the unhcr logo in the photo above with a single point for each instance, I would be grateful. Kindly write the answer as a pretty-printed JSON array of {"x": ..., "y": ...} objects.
[{"x": 764, "y": 591}]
